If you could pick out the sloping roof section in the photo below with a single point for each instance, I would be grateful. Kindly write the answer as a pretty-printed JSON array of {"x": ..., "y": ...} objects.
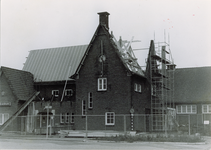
[
  {"x": 54, "y": 64},
  {"x": 20, "y": 82},
  {"x": 127, "y": 56},
  {"x": 192, "y": 85},
  {"x": 123, "y": 49}
]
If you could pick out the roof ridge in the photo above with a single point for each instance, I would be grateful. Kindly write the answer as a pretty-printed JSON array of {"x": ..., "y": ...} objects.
[
  {"x": 58, "y": 47},
  {"x": 15, "y": 69},
  {"x": 194, "y": 67}
]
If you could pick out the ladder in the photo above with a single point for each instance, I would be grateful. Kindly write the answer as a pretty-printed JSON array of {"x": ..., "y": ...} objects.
[{"x": 18, "y": 111}]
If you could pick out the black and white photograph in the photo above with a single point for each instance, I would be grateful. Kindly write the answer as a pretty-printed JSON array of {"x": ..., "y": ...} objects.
[{"x": 114, "y": 74}]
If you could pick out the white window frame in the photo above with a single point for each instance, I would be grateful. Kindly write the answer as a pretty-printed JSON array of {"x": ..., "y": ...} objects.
[
  {"x": 90, "y": 100},
  {"x": 67, "y": 117},
  {"x": 208, "y": 108},
  {"x": 72, "y": 118},
  {"x": 137, "y": 87},
  {"x": 68, "y": 92},
  {"x": 83, "y": 106},
  {"x": 62, "y": 117},
  {"x": 107, "y": 116},
  {"x": 55, "y": 95},
  {"x": 4, "y": 117},
  {"x": 183, "y": 109},
  {"x": 102, "y": 84}
]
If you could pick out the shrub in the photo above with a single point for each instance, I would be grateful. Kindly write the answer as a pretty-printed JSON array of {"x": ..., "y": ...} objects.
[{"x": 153, "y": 138}]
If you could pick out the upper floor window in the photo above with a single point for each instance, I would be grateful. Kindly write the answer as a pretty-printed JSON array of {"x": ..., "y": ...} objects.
[
  {"x": 55, "y": 93},
  {"x": 186, "y": 109},
  {"x": 109, "y": 118},
  {"x": 102, "y": 84},
  {"x": 3, "y": 118},
  {"x": 90, "y": 100},
  {"x": 137, "y": 87},
  {"x": 68, "y": 92},
  {"x": 206, "y": 108}
]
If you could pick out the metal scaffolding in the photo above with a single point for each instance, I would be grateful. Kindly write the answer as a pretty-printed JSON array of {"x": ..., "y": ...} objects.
[{"x": 162, "y": 86}]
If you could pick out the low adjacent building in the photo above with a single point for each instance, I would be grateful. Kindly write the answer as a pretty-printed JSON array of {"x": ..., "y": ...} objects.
[{"x": 16, "y": 88}]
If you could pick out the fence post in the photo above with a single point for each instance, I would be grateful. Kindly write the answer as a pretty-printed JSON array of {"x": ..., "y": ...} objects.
[
  {"x": 86, "y": 127},
  {"x": 189, "y": 124},
  {"x": 124, "y": 124},
  {"x": 47, "y": 120},
  {"x": 166, "y": 124}
]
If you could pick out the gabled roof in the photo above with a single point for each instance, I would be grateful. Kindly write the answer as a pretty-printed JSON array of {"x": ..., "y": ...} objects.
[
  {"x": 132, "y": 67},
  {"x": 192, "y": 85},
  {"x": 54, "y": 64},
  {"x": 20, "y": 82}
]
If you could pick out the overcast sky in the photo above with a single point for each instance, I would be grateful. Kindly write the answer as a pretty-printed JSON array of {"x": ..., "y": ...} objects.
[{"x": 37, "y": 24}]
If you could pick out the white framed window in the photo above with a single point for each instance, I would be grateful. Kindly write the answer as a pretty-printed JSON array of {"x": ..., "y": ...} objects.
[
  {"x": 72, "y": 118},
  {"x": 68, "y": 92},
  {"x": 67, "y": 117},
  {"x": 206, "y": 108},
  {"x": 102, "y": 84},
  {"x": 109, "y": 118},
  {"x": 55, "y": 93},
  {"x": 3, "y": 118},
  {"x": 186, "y": 109},
  {"x": 90, "y": 100},
  {"x": 83, "y": 107},
  {"x": 62, "y": 117},
  {"x": 137, "y": 87}
]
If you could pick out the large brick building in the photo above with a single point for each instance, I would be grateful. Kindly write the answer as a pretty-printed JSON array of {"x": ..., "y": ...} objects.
[
  {"x": 105, "y": 80},
  {"x": 109, "y": 82}
]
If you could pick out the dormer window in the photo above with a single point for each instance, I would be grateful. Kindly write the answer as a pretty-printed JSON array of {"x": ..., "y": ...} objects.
[
  {"x": 55, "y": 93},
  {"x": 102, "y": 84}
]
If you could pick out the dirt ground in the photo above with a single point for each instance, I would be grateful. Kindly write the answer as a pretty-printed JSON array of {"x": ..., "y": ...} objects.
[{"x": 41, "y": 142}]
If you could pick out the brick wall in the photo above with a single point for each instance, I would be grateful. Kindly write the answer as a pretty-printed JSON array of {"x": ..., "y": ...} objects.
[
  {"x": 117, "y": 98},
  {"x": 6, "y": 95}
]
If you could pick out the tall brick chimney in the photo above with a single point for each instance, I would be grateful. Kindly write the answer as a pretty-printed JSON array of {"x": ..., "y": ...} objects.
[{"x": 103, "y": 18}]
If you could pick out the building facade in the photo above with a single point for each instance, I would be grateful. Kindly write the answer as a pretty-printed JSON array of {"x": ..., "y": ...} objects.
[
  {"x": 109, "y": 83},
  {"x": 16, "y": 87}
]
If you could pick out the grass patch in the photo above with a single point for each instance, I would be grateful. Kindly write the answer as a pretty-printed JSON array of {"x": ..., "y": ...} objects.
[{"x": 153, "y": 138}]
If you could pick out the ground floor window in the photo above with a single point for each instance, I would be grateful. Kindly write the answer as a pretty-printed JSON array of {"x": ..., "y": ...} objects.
[
  {"x": 90, "y": 100},
  {"x": 66, "y": 117},
  {"x": 206, "y": 108},
  {"x": 186, "y": 109},
  {"x": 3, "y": 118},
  {"x": 72, "y": 118},
  {"x": 109, "y": 118},
  {"x": 62, "y": 117},
  {"x": 83, "y": 107}
]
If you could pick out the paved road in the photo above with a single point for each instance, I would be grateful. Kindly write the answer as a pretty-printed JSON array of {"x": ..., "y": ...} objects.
[{"x": 80, "y": 143}]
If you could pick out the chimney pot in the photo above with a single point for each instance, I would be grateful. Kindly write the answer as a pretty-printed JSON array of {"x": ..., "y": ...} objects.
[{"x": 103, "y": 18}]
